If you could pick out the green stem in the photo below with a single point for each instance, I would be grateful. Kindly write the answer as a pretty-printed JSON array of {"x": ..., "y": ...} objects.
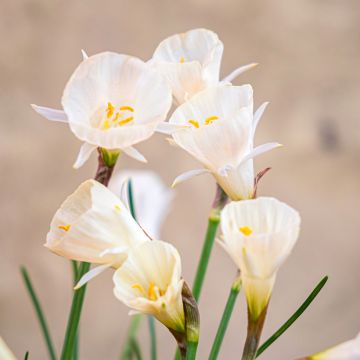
[
  {"x": 152, "y": 331},
  {"x": 74, "y": 317},
  {"x": 136, "y": 349},
  {"x": 75, "y": 280},
  {"x": 191, "y": 350},
  {"x": 234, "y": 292},
  {"x": 133, "y": 328},
  {"x": 26, "y": 356},
  {"x": 39, "y": 313}
]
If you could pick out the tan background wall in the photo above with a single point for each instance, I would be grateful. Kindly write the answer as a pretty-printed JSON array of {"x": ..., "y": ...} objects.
[{"x": 309, "y": 55}]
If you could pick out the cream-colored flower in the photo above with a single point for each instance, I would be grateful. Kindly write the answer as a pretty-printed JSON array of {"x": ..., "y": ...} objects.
[
  {"x": 259, "y": 235},
  {"x": 220, "y": 128},
  {"x": 349, "y": 350},
  {"x": 152, "y": 198},
  {"x": 93, "y": 225},
  {"x": 191, "y": 62},
  {"x": 5, "y": 352},
  {"x": 150, "y": 282},
  {"x": 112, "y": 101}
]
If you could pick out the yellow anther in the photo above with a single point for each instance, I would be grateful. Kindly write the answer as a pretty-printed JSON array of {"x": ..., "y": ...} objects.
[
  {"x": 246, "y": 230},
  {"x": 151, "y": 292},
  {"x": 116, "y": 117},
  {"x": 64, "y": 227},
  {"x": 194, "y": 123},
  {"x": 110, "y": 110},
  {"x": 210, "y": 119},
  {"x": 129, "y": 108},
  {"x": 139, "y": 287},
  {"x": 125, "y": 121},
  {"x": 117, "y": 208},
  {"x": 106, "y": 124},
  {"x": 182, "y": 60}
]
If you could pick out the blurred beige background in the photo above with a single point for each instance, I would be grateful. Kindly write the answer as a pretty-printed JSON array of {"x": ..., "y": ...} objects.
[{"x": 309, "y": 70}]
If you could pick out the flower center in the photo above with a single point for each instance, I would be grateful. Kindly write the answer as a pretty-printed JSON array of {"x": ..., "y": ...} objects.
[
  {"x": 114, "y": 116},
  {"x": 246, "y": 230},
  {"x": 207, "y": 121},
  {"x": 182, "y": 60},
  {"x": 153, "y": 293}
]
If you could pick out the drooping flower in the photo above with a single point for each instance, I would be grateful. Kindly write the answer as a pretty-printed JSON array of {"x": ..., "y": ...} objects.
[
  {"x": 93, "y": 225},
  {"x": 191, "y": 62},
  {"x": 349, "y": 350},
  {"x": 259, "y": 235},
  {"x": 112, "y": 101},
  {"x": 220, "y": 129},
  {"x": 152, "y": 198},
  {"x": 150, "y": 282},
  {"x": 5, "y": 352}
]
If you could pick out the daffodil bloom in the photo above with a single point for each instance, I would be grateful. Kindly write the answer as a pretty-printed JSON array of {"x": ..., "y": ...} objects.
[
  {"x": 191, "y": 62},
  {"x": 259, "y": 235},
  {"x": 93, "y": 225},
  {"x": 349, "y": 350},
  {"x": 220, "y": 129},
  {"x": 150, "y": 282},
  {"x": 5, "y": 352},
  {"x": 112, "y": 101},
  {"x": 148, "y": 189}
]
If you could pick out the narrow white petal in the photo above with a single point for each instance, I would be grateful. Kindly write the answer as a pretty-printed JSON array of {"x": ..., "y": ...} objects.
[
  {"x": 168, "y": 129},
  {"x": 223, "y": 171},
  {"x": 84, "y": 54},
  {"x": 115, "y": 250},
  {"x": 260, "y": 150},
  {"x": 258, "y": 114},
  {"x": 234, "y": 74},
  {"x": 188, "y": 175},
  {"x": 84, "y": 154},
  {"x": 51, "y": 114},
  {"x": 91, "y": 274},
  {"x": 124, "y": 192},
  {"x": 135, "y": 154}
]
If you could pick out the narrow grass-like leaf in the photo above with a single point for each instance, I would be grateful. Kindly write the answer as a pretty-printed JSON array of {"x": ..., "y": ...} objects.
[
  {"x": 136, "y": 349},
  {"x": 152, "y": 332},
  {"x": 294, "y": 317},
  {"x": 39, "y": 313},
  {"x": 26, "y": 356}
]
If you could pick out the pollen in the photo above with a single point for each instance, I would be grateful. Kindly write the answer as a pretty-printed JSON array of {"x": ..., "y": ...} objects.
[
  {"x": 116, "y": 117},
  {"x": 106, "y": 124},
  {"x": 125, "y": 121},
  {"x": 194, "y": 123},
  {"x": 139, "y": 287},
  {"x": 210, "y": 119},
  {"x": 151, "y": 292},
  {"x": 64, "y": 227},
  {"x": 182, "y": 60},
  {"x": 110, "y": 110},
  {"x": 129, "y": 108},
  {"x": 117, "y": 208},
  {"x": 246, "y": 230}
]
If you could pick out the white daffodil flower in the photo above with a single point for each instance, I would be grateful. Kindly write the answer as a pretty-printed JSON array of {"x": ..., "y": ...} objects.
[
  {"x": 220, "y": 129},
  {"x": 150, "y": 282},
  {"x": 259, "y": 235},
  {"x": 112, "y": 101},
  {"x": 191, "y": 62},
  {"x": 349, "y": 350},
  {"x": 152, "y": 198},
  {"x": 93, "y": 225},
  {"x": 5, "y": 352}
]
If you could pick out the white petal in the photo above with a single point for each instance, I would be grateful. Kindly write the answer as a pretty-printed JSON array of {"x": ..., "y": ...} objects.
[
  {"x": 260, "y": 150},
  {"x": 258, "y": 114},
  {"x": 240, "y": 70},
  {"x": 51, "y": 114},
  {"x": 84, "y": 154},
  {"x": 223, "y": 171},
  {"x": 91, "y": 274},
  {"x": 115, "y": 250},
  {"x": 84, "y": 54},
  {"x": 5, "y": 352},
  {"x": 168, "y": 129},
  {"x": 188, "y": 175},
  {"x": 135, "y": 154}
]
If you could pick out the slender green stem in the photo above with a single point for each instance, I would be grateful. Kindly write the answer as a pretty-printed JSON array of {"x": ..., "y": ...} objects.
[
  {"x": 75, "y": 280},
  {"x": 191, "y": 350},
  {"x": 133, "y": 328},
  {"x": 136, "y": 349},
  {"x": 26, "y": 356},
  {"x": 74, "y": 317},
  {"x": 39, "y": 313},
  {"x": 293, "y": 317},
  {"x": 152, "y": 332},
  {"x": 234, "y": 292},
  {"x": 131, "y": 199}
]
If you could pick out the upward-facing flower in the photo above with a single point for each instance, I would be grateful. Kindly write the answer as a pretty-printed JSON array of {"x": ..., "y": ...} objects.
[
  {"x": 191, "y": 62},
  {"x": 259, "y": 235},
  {"x": 112, "y": 101},
  {"x": 150, "y": 282},
  {"x": 93, "y": 225},
  {"x": 219, "y": 132},
  {"x": 152, "y": 198}
]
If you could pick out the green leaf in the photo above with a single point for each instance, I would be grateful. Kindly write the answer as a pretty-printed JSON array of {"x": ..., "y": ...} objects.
[
  {"x": 26, "y": 356},
  {"x": 153, "y": 348},
  {"x": 40, "y": 314},
  {"x": 294, "y": 317},
  {"x": 136, "y": 349}
]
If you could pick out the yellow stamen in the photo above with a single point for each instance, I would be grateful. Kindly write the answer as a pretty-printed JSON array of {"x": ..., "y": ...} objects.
[
  {"x": 139, "y": 287},
  {"x": 246, "y": 230},
  {"x": 64, "y": 227},
  {"x": 106, "y": 124},
  {"x": 151, "y": 292},
  {"x": 116, "y": 117},
  {"x": 194, "y": 123},
  {"x": 210, "y": 119},
  {"x": 117, "y": 208},
  {"x": 182, "y": 60},
  {"x": 110, "y": 110},
  {"x": 125, "y": 121},
  {"x": 129, "y": 108}
]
